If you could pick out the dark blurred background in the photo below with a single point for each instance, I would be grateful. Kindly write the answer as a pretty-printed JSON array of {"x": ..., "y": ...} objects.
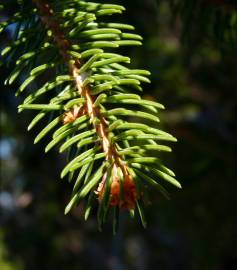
[{"x": 191, "y": 49}]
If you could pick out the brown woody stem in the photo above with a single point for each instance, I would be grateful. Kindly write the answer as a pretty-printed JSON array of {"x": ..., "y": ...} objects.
[{"x": 48, "y": 18}]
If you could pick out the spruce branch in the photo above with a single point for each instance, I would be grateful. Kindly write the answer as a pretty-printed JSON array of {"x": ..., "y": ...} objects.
[{"x": 97, "y": 121}]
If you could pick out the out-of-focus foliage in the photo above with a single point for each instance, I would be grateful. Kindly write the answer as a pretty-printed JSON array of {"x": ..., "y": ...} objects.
[
  {"x": 197, "y": 229},
  {"x": 205, "y": 21}
]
